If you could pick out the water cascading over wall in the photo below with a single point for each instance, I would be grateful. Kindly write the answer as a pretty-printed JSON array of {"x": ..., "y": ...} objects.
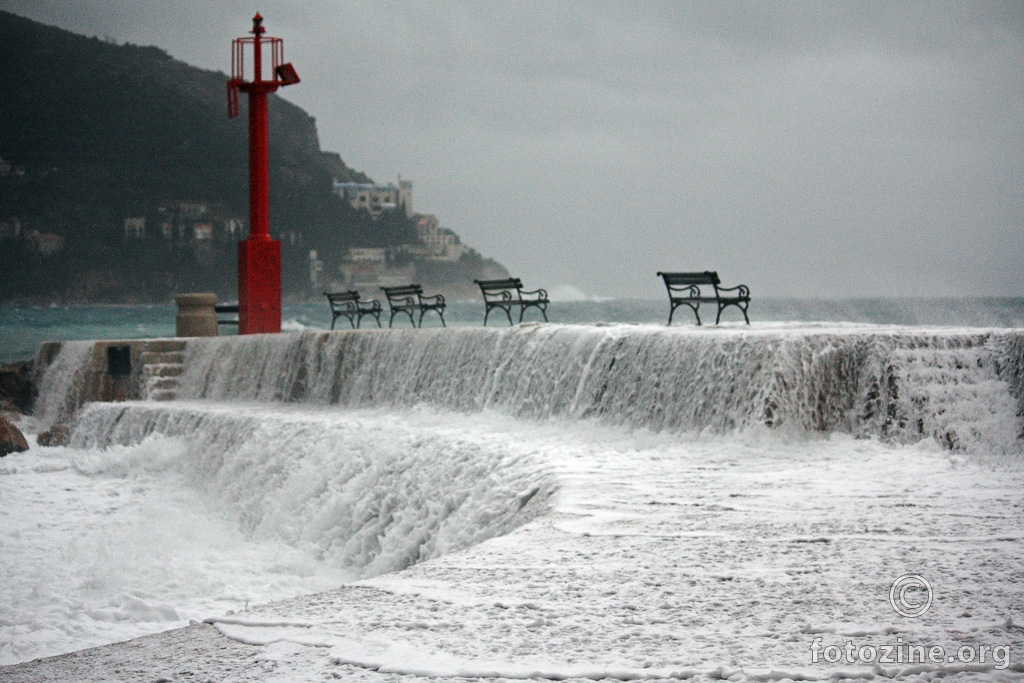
[
  {"x": 379, "y": 494},
  {"x": 963, "y": 388}
]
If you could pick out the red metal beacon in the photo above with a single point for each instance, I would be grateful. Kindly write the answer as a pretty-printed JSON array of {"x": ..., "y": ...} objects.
[{"x": 259, "y": 257}]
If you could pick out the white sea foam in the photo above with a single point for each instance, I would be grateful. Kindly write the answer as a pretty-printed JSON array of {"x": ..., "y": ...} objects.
[
  {"x": 705, "y": 464},
  {"x": 162, "y": 513},
  {"x": 61, "y": 384},
  {"x": 960, "y": 387}
]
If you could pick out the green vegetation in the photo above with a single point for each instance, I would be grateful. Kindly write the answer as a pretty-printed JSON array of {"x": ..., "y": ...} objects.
[{"x": 97, "y": 133}]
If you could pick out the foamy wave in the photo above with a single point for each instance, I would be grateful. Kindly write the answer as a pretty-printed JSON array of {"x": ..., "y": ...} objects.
[{"x": 371, "y": 495}]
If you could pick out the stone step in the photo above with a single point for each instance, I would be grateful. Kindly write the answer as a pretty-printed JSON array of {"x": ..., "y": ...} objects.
[
  {"x": 163, "y": 370},
  {"x": 163, "y": 345},
  {"x": 161, "y": 383},
  {"x": 162, "y": 357},
  {"x": 162, "y": 395}
]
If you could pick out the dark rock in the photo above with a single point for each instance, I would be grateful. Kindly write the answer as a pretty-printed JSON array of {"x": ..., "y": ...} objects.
[
  {"x": 57, "y": 435},
  {"x": 16, "y": 384},
  {"x": 11, "y": 438}
]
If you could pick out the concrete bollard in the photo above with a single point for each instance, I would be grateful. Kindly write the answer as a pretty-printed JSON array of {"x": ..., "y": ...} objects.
[{"x": 196, "y": 316}]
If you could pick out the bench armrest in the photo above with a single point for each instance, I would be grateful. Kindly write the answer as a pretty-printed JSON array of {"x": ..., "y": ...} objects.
[
  {"x": 491, "y": 294},
  {"x": 542, "y": 294},
  {"x": 677, "y": 291},
  {"x": 742, "y": 290},
  {"x": 433, "y": 300}
]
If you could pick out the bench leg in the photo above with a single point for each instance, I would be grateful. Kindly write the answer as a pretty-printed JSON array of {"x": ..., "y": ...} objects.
[
  {"x": 522, "y": 310},
  {"x": 722, "y": 307},
  {"x": 673, "y": 307},
  {"x": 412, "y": 320}
]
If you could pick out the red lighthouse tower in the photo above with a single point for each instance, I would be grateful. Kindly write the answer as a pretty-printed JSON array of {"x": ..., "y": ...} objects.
[{"x": 259, "y": 257}]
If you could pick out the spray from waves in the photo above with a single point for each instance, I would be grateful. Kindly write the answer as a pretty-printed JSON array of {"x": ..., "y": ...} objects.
[
  {"x": 369, "y": 493},
  {"x": 962, "y": 388},
  {"x": 62, "y": 384}
]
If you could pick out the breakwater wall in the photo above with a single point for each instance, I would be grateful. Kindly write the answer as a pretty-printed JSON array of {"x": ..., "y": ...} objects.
[{"x": 962, "y": 387}]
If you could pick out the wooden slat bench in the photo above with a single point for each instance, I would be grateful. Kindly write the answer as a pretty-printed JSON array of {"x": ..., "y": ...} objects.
[
  {"x": 505, "y": 294},
  {"x": 409, "y": 299},
  {"x": 685, "y": 289},
  {"x": 227, "y": 313},
  {"x": 349, "y": 305}
]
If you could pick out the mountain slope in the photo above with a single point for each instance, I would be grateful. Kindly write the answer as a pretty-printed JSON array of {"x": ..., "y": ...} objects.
[{"x": 97, "y": 133}]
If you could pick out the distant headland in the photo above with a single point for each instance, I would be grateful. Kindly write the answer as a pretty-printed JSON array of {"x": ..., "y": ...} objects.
[{"x": 122, "y": 180}]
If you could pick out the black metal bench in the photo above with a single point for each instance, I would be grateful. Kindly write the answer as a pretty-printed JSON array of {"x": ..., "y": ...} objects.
[
  {"x": 227, "y": 313},
  {"x": 505, "y": 294},
  {"x": 409, "y": 299},
  {"x": 685, "y": 289},
  {"x": 348, "y": 305}
]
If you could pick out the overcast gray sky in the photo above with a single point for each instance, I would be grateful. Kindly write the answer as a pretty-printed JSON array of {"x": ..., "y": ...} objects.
[{"x": 805, "y": 149}]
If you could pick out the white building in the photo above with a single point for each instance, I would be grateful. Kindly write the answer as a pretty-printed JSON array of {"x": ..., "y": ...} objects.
[
  {"x": 377, "y": 198},
  {"x": 135, "y": 228},
  {"x": 441, "y": 244}
]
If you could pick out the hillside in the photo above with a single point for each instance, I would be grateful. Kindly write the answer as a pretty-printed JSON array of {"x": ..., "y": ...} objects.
[{"x": 123, "y": 179}]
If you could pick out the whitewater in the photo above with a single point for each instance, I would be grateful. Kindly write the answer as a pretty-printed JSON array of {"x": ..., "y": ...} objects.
[{"x": 542, "y": 501}]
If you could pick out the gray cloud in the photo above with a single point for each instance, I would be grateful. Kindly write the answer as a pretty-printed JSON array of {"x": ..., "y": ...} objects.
[{"x": 803, "y": 148}]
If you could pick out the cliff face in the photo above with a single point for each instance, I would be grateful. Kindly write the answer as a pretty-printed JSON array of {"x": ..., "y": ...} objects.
[
  {"x": 98, "y": 133},
  {"x": 70, "y": 100},
  {"x": 129, "y": 183}
]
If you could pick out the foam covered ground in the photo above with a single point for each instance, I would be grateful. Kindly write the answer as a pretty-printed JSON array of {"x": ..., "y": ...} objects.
[{"x": 663, "y": 556}]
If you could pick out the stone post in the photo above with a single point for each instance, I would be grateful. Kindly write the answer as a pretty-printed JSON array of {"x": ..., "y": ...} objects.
[{"x": 196, "y": 315}]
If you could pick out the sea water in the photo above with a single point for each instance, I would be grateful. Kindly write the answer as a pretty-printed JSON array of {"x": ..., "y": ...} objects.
[
  {"x": 297, "y": 462},
  {"x": 24, "y": 328}
]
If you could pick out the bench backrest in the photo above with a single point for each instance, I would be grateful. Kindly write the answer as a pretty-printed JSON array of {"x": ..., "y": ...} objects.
[
  {"x": 337, "y": 299},
  {"x": 403, "y": 292},
  {"x": 227, "y": 313},
  {"x": 708, "y": 277},
  {"x": 498, "y": 288}
]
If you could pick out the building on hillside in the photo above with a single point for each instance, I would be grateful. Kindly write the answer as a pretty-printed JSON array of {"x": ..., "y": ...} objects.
[
  {"x": 377, "y": 198},
  {"x": 405, "y": 195},
  {"x": 440, "y": 243},
  {"x": 367, "y": 268},
  {"x": 44, "y": 244},
  {"x": 10, "y": 229},
  {"x": 202, "y": 230},
  {"x": 316, "y": 269},
  {"x": 191, "y": 221},
  {"x": 135, "y": 228}
]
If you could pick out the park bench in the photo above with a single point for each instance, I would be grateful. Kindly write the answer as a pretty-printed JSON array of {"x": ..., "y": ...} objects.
[
  {"x": 505, "y": 294},
  {"x": 409, "y": 299},
  {"x": 227, "y": 313},
  {"x": 685, "y": 289},
  {"x": 348, "y": 305}
]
